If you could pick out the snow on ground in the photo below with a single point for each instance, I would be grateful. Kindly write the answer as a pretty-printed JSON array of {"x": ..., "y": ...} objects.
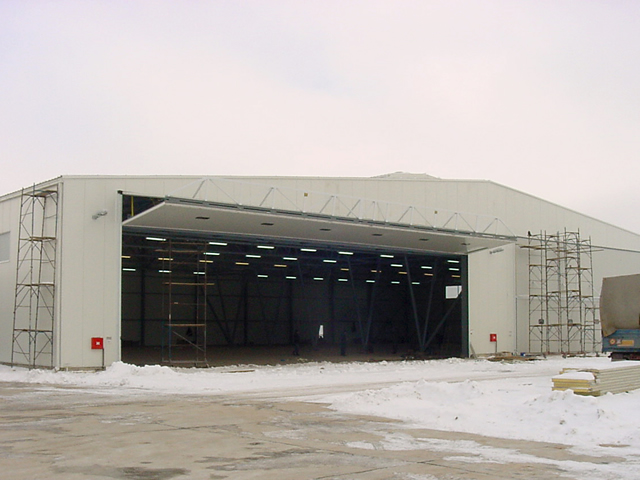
[{"x": 506, "y": 400}]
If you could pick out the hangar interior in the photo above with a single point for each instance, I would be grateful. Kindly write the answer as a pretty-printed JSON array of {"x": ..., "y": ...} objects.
[{"x": 191, "y": 293}]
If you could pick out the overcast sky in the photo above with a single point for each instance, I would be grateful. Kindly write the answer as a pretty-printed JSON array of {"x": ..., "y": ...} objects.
[{"x": 542, "y": 96}]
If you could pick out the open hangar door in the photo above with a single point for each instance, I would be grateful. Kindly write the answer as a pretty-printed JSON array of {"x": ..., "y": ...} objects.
[{"x": 200, "y": 283}]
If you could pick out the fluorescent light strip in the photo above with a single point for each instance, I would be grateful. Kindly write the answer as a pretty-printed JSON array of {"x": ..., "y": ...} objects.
[
  {"x": 397, "y": 265},
  {"x": 164, "y": 271},
  {"x": 248, "y": 255},
  {"x": 453, "y": 261},
  {"x": 455, "y": 276},
  {"x": 343, "y": 280},
  {"x": 291, "y": 259},
  {"x": 384, "y": 255},
  {"x": 318, "y": 278},
  {"x": 157, "y": 239},
  {"x": 242, "y": 263},
  {"x": 426, "y": 267},
  {"x": 415, "y": 283},
  {"x": 330, "y": 261},
  {"x": 454, "y": 269},
  {"x": 290, "y": 278},
  {"x": 198, "y": 273},
  {"x": 265, "y": 247},
  {"x": 166, "y": 259},
  {"x": 222, "y": 244},
  {"x": 211, "y": 253},
  {"x": 345, "y": 253},
  {"x": 395, "y": 282},
  {"x": 308, "y": 250},
  {"x": 263, "y": 276},
  {"x": 125, "y": 256},
  {"x": 370, "y": 281},
  {"x": 128, "y": 269},
  {"x": 280, "y": 266}
]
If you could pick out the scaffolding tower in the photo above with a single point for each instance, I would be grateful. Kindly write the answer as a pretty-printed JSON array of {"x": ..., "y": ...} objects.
[
  {"x": 562, "y": 308},
  {"x": 185, "y": 303},
  {"x": 35, "y": 290}
]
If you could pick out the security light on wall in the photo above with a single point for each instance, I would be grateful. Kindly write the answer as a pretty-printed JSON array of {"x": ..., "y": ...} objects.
[{"x": 99, "y": 214}]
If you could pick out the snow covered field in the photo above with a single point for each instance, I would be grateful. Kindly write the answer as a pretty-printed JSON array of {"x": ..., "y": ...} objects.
[{"x": 506, "y": 400}]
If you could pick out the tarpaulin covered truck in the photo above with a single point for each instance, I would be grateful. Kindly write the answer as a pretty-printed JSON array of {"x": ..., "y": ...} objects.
[{"x": 620, "y": 316}]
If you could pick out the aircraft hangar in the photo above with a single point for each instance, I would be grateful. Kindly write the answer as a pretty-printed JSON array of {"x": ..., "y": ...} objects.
[{"x": 183, "y": 270}]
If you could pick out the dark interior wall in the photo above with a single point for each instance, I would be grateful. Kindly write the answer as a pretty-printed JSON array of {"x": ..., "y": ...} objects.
[{"x": 363, "y": 298}]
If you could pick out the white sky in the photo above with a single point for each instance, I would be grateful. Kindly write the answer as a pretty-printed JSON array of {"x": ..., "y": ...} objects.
[{"x": 541, "y": 96}]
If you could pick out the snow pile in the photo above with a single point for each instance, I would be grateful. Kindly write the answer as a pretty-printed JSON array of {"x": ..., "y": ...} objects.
[{"x": 507, "y": 400}]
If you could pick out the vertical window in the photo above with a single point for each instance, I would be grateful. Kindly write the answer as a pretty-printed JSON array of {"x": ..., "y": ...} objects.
[{"x": 4, "y": 247}]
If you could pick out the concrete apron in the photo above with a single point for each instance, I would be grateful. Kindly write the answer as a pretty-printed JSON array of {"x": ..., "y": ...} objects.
[{"x": 65, "y": 433}]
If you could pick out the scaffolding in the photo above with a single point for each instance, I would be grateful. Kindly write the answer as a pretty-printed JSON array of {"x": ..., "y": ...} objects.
[
  {"x": 184, "y": 265},
  {"x": 35, "y": 289},
  {"x": 562, "y": 308}
]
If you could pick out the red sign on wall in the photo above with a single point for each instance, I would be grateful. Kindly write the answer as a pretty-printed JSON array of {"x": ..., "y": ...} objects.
[
  {"x": 97, "y": 343},
  {"x": 493, "y": 337}
]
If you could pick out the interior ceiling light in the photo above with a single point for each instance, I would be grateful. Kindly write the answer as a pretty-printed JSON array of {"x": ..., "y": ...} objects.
[
  {"x": 280, "y": 266},
  {"x": 156, "y": 239},
  {"x": 345, "y": 253},
  {"x": 427, "y": 267},
  {"x": 308, "y": 250},
  {"x": 211, "y": 253},
  {"x": 454, "y": 269},
  {"x": 395, "y": 282},
  {"x": 242, "y": 263},
  {"x": 164, "y": 271},
  {"x": 166, "y": 259},
  {"x": 198, "y": 273},
  {"x": 343, "y": 280},
  {"x": 222, "y": 244},
  {"x": 455, "y": 276},
  {"x": 290, "y": 278},
  {"x": 205, "y": 261},
  {"x": 453, "y": 261},
  {"x": 126, "y": 256},
  {"x": 397, "y": 265},
  {"x": 266, "y": 247},
  {"x": 249, "y": 255},
  {"x": 384, "y": 255},
  {"x": 370, "y": 281},
  {"x": 128, "y": 269},
  {"x": 402, "y": 273},
  {"x": 318, "y": 278},
  {"x": 428, "y": 274},
  {"x": 291, "y": 259},
  {"x": 415, "y": 283},
  {"x": 329, "y": 261},
  {"x": 344, "y": 269},
  {"x": 263, "y": 276}
]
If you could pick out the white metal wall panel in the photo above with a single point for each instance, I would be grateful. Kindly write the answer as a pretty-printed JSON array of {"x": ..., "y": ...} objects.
[
  {"x": 9, "y": 223},
  {"x": 492, "y": 300}
]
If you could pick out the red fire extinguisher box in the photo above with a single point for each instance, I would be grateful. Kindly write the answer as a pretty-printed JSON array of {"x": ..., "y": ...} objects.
[{"x": 97, "y": 343}]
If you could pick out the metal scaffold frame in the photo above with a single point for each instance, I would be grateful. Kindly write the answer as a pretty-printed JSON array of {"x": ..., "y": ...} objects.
[
  {"x": 35, "y": 290},
  {"x": 185, "y": 303},
  {"x": 562, "y": 309}
]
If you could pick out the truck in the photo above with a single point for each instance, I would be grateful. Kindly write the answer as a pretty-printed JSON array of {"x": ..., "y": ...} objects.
[{"x": 620, "y": 317}]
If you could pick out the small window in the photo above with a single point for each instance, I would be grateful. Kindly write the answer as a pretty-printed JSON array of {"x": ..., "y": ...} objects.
[
  {"x": 4, "y": 247},
  {"x": 452, "y": 291}
]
